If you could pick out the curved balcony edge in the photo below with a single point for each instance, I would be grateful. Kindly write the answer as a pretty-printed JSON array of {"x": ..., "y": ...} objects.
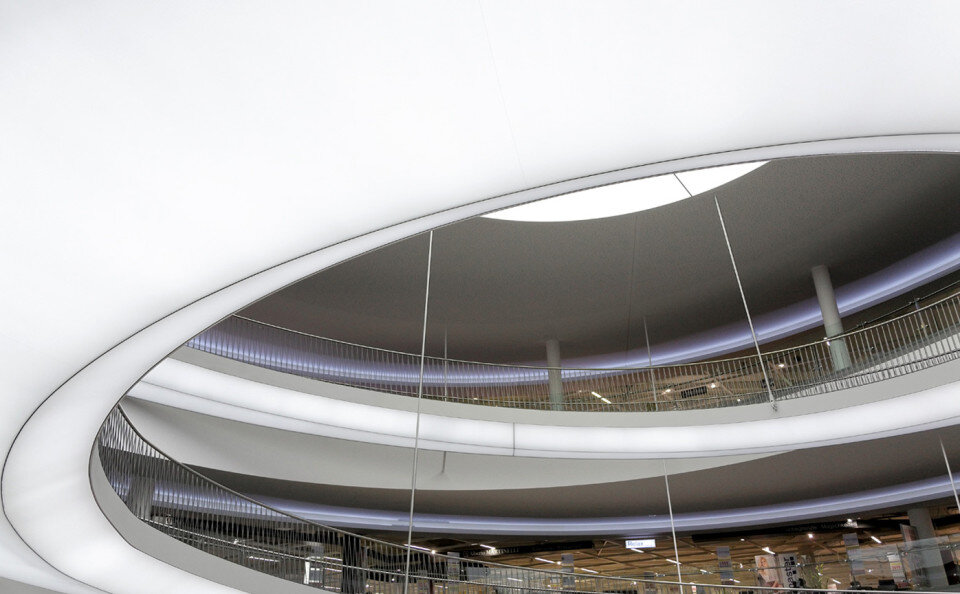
[
  {"x": 902, "y": 345},
  {"x": 180, "y": 517},
  {"x": 922, "y": 400},
  {"x": 151, "y": 542}
]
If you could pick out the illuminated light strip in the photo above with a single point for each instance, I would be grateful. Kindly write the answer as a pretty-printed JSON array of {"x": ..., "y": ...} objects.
[
  {"x": 809, "y": 509},
  {"x": 909, "y": 273},
  {"x": 601, "y": 397},
  {"x": 424, "y": 549}
]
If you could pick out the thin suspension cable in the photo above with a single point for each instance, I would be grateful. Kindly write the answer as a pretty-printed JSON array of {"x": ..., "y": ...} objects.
[
  {"x": 630, "y": 285},
  {"x": 743, "y": 297},
  {"x": 416, "y": 433},
  {"x": 673, "y": 528},
  {"x": 653, "y": 379},
  {"x": 446, "y": 360},
  {"x": 950, "y": 474}
]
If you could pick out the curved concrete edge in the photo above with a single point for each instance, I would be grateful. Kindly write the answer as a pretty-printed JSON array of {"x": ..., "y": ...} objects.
[
  {"x": 356, "y": 518},
  {"x": 918, "y": 401},
  {"x": 215, "y": 442},
  {"x": 177, "y": 373},
  {"x": 45, "y": 484},
  {"x": 173, "y": 552}
]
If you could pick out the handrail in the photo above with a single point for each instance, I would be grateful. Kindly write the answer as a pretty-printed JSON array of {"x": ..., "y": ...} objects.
[
  {"x": 177, "y": 500},
  {"x": 858, "y": 329},
  {"x": 227, "y": 489},
  {"x": 862, "y": 355},
  {"x": 916, "y": 300}
]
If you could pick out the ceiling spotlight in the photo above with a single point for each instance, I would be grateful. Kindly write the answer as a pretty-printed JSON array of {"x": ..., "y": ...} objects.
[
  {"x": 809, "y": 534},
  {"x": 668, "y": 390},
  {"x": 781, "y": 365},
  {"x": 743, "y": 540},
  {"x": 713, "y": 384},
  {"x": 625, "y": 197}
]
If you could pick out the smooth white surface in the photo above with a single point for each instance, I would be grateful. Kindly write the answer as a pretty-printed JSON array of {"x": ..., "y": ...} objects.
[
  {"x": 165, "y": 164},
  {"x": 892, "y": 407},
  {"x": 625, "y": 197},
  {"x": 301, "y": 455}
]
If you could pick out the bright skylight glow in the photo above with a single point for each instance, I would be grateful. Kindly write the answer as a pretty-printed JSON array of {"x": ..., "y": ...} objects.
[{"x": 625, "y": 197}]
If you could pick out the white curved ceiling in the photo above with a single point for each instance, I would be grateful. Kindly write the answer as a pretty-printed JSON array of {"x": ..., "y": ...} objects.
[{"x": 166, "y": 164}]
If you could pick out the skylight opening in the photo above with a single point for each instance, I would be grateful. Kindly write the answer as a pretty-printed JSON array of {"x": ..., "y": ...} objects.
[{"x": 625, "y": 197}]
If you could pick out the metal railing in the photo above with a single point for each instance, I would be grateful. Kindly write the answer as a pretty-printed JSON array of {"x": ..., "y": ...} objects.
[
  {"x": 193, "y": 509},
  {"x": 905, "y": 344}
]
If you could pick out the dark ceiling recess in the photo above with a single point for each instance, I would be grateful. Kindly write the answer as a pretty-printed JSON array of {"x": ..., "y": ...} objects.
[{"x": 500, "y": 288}]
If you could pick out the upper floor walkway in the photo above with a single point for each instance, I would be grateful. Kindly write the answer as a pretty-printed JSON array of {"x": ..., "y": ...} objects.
[{"x": 912, "y": 341}]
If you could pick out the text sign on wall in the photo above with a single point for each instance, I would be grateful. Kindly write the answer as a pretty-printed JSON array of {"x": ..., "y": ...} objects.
[
  {"x": 725, "y": 565},
  {"x": 642, "y": 543}
]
